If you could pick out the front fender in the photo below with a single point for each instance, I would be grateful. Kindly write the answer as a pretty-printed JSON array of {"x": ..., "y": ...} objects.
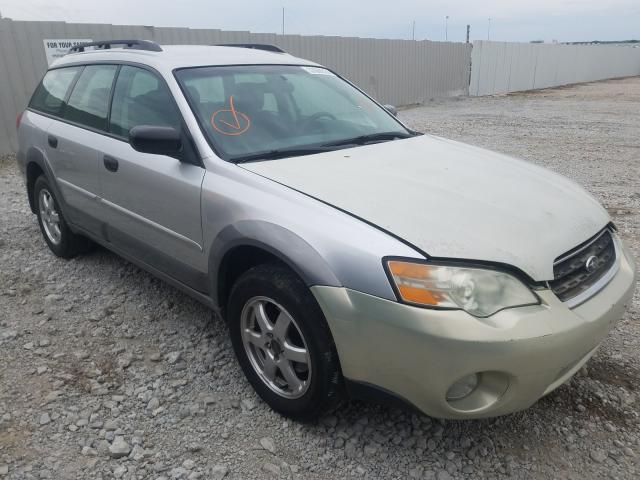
[{"x": 278, "y": 241}]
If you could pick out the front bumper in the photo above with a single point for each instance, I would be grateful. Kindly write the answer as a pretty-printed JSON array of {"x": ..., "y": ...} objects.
[{"x": 521, "y": 353}]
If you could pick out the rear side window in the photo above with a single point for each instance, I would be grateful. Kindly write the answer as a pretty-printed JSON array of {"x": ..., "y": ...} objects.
[
  {"x": 141, "y": 98},
  {"x": 89, "y": 102},
  {"x": 50, "y": 94}
]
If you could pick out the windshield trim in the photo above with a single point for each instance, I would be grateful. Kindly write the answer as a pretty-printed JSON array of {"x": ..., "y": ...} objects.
[{"x": 210, "y": 140}]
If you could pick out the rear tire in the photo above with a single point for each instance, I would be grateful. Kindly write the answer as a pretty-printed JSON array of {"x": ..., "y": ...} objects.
[
  {"x": 283, "y": 343},
  {"x": 55, "y": 230}
]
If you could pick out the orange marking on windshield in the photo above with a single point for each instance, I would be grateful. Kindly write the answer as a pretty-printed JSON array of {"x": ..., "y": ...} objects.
[{"x": 229, "y": 121}]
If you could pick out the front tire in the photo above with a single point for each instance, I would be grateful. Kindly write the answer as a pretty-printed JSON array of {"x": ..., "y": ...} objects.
[
  {"x": 283, "y": 343},
  {"x": 55, "y": 230}
]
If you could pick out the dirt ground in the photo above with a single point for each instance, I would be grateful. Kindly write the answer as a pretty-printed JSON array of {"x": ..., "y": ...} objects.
[{"x": 106, "y": 372}]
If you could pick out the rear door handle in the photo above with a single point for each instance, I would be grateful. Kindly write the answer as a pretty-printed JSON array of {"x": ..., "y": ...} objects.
[
  {"x": 110, "y": 163},
  {"x": 53, "y": 141}
]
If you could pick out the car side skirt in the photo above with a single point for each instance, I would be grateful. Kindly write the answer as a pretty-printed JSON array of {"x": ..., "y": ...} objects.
[{"x": 174, "y": 282}]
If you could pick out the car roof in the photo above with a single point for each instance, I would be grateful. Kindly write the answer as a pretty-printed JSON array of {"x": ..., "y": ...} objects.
[{"x": 181, "y": 56}]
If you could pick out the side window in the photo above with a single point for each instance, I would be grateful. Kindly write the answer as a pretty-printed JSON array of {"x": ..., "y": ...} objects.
[
  {"x": 52, "y": 91},
  {"x": 89, "y": 102},
  {"x": 140, "y": 98}
]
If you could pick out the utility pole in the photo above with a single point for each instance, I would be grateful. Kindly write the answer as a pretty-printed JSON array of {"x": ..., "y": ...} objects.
[
  {"x": 468, "y": 30},
  {"x": 282, "y": 20},
  {"x": 489, "y": 28},
  {"x": 446, "y": 25},
  {"x": 413, "y": 31}
]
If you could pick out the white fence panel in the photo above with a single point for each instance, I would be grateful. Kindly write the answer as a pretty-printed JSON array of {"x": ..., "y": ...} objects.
[{"x": 500, "y": 67}]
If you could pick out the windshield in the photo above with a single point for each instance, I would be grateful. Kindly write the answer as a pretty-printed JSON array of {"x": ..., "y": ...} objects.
[{"x": 250, "y": 110}]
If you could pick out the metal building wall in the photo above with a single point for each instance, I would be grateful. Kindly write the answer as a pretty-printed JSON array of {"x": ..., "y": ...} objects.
[
  {"x": 399, "y": 72},
  {"x": 498, "y": 67}
]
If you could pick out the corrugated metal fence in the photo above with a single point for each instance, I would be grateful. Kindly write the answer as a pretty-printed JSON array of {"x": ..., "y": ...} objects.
[
  {"x": 400, "y": 72},
  {"x": 499, "y": 67}
]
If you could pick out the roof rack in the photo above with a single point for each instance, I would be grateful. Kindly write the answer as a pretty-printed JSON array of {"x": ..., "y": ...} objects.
[
  {"x": 107, "y": 44},
  {"x": 254, "y": 46}
]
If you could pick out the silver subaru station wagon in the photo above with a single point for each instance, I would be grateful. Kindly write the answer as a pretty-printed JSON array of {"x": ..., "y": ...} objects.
[{"x": 349, "y": 255}]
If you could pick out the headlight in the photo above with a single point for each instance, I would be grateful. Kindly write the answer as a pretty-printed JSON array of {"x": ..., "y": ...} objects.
[{"x": 477, "y": 291}]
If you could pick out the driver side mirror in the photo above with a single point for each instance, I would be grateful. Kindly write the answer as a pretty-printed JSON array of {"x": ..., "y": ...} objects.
[
  {"x": 391, "y": 109},
  {"x": 156, "y": 140}
]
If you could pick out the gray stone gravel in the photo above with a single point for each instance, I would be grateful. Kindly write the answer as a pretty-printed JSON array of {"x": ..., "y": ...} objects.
[{"x": 108, "y": 373}]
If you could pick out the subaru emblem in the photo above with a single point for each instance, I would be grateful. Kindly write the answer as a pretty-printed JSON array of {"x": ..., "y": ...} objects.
[{"x": 591, "y": 264}]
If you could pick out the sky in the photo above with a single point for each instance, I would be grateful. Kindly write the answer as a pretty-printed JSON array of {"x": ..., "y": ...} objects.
[{"x": 515, "y": 20}]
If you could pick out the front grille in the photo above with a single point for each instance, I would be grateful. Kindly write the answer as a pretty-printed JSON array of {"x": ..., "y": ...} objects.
[{"x": 578, "y": 270}]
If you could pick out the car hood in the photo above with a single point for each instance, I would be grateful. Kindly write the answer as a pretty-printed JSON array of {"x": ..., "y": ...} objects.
[{"x": 450, "y": 199}]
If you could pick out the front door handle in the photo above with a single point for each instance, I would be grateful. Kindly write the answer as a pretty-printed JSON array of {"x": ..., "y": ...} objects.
[
  {"x": 110, "y": 163},
  {"x": 53, "y": 141}
]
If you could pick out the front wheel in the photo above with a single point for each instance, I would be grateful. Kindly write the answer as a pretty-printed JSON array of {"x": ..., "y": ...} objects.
[{"x": 283, "y": 343}]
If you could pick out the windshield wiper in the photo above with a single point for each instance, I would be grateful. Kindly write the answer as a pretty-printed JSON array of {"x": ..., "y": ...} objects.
[
  {"x": 365, "y": 139},
  {"x": 327, "y": 147},
  {"x": 281, "y": 153}
]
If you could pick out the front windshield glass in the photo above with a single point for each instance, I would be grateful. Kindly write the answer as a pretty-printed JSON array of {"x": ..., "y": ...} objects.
[{"x": 251, "y": 110}]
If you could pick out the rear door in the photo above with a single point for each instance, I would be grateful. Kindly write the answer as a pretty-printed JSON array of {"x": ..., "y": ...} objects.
[
  {"x": 152, "y": 202},
  {"x": 72, "y": 144}
]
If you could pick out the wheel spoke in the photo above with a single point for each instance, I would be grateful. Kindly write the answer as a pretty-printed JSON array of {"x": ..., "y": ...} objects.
[
  {"x": 269, "y": 368},
  {"x": 295, "y": 354},
  {"x": 295, "y": 384},
  {"x": 261, "y": 317},
  {"x": 282, "y": 326},
  {"x": 55, "y": 218},
  {"x": 254, "y": 338}
]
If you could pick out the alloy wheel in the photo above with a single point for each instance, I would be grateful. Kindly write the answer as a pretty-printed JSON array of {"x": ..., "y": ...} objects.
[
  {"x": 276, "y": 347},
  {"x": 49, "y": 216}
]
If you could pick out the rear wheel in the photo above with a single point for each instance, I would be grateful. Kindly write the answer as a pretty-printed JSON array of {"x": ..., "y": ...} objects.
[
  {"x": 55, "y": 230},
  {"x": 283, "y": 343}
]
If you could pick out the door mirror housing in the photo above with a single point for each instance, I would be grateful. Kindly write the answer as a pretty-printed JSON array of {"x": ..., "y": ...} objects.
[
  {"x": 156, "y": 140},
  {"x": 391, "y": 109}
]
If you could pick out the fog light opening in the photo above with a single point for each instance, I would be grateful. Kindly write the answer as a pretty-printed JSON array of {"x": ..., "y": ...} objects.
[{"x": 463, "y": 387}]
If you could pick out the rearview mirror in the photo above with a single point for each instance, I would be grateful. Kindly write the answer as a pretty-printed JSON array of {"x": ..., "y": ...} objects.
[
  {"x": 156, "y": 140},
  {"x": 391, "y": 109}
]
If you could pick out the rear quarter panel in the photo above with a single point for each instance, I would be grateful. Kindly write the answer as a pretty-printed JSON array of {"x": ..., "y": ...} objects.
[{"x": 32, "y": 136}]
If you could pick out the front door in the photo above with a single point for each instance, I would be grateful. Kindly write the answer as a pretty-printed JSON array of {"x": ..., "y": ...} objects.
[{"x": 151, "y": 202}]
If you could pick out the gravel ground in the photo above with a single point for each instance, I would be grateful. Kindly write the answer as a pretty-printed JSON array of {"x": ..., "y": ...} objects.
[{"x": 107, "y": 372}]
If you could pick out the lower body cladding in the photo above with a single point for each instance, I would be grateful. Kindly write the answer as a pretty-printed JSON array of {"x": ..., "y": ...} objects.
[{"x": 449, "y": 364}]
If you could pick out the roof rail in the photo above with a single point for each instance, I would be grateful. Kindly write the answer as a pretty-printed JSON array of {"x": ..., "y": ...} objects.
[
  {"x": 255, "y": 46},
  {"x": 107, "y": 44}
]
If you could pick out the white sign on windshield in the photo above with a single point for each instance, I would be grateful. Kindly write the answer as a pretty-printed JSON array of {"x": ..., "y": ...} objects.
[{"x": 58, "y": 48}]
